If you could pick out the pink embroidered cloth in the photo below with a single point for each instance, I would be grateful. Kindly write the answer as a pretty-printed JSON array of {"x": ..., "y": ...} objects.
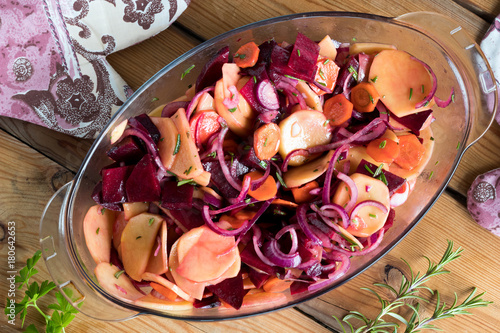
[{"x": 53, "y": 68}]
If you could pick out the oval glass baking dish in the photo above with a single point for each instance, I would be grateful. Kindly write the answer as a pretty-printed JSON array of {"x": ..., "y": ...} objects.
[{"x": 435, "y": 39}]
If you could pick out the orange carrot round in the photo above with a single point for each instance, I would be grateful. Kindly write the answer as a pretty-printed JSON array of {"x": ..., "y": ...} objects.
[
  {"x": 266, "y": 191},
  {"x": 411, "y": 152},
  {"x": 338, "y": 110},
  {"x": 247, "y": 55},
  {"x": 169, "y": 294},
  {"x": 364, "y": 97},
  {"x": 383, "y": 150},
  {"x": 301, "y": 194},
  {"x": 266, "y": 141}
]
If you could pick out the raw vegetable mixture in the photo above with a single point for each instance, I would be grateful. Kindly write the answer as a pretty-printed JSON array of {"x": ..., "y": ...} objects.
[{"x": 280, "y": 164}]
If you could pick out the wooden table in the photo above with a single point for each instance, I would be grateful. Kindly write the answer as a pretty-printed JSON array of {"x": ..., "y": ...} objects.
[{"x": 36, "y": 162}]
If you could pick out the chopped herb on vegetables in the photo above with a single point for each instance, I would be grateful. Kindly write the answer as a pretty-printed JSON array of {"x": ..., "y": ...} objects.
[
  {"x": 382, "y": 144},
  {"x": 353, "y": 72},
  {"x": 280, "y": 179},
  {"x": 186, "y": 72},
  {"x": 374, "y": 79},
  {"x": 326, "y": 61},
  {"x": 154, "y": 99},
  {"x": 97, "y": 231},
  {"x": 232, "y": 110},
  {"x": 411, "y": 93},
  {"x": 117, "y": 274},
  {"x": 177, "y": 144},
  {"x": 151, "y": 221},
  {"x": 186, "y": 181}
]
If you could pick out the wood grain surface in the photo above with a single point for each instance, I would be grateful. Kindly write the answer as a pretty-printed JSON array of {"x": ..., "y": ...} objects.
[{"x": 36, "y": 162}]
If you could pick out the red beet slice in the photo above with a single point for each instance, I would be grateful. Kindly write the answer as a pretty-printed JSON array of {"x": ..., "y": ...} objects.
[
  {"x": 97, "y": 197},
  {"x": 113, "y": 184},
  {"x": 188, "y": 218},
  {"x": 303, "y": 58},
  {"x": 393, "y": 182},
  {"x": 127, "y": 150},
  {"x": 416, "y": 121},
  {"x": 176, "y": 197},
  {"x": 230, "y": 291},
  {"x": 149, "y": 126},
  {"x": 258, "y": 279},
  {"x": 212, "y": 71},
  {"x": 207, "y": 302},
  {"x": 142, "y": 184}
]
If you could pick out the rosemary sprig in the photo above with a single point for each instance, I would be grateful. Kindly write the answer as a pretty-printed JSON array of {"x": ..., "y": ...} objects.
[{"x": 407, "y": 292}]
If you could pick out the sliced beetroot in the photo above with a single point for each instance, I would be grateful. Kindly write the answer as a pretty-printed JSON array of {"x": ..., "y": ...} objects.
[
  {"x": 278, "y": 64},
  {"x": 212, "y": 71},
  {"x": 97, "y": 197},
  {"x": 393, "y": 182},
  {"x": 176, "y": 197},
  {"x": 251, "y": 160},
  {"x": 151, "y": 128},
  {"x": 258, "y": 278},
  {"x": 303, "y": 58},
  {"x": 127, "y": 150},
  {"x": 190, "y": 219},
  {"x": 249, "y": 257},
  {"x": 218, "y": 179},
  {"x": 142, "y": 184},
  {"x": 113, "y": 184},
  {"x": 390, "y": 219},
  {"x": 207, "y": 302},
  {"x": 298, "y": 287},
  {"x": 230, "y": 291},
  {"x": 416, "y": 121}
]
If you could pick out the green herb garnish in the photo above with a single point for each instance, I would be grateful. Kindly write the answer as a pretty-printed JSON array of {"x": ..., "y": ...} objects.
[
  {"x": 186, "y": 72},
  {"x": 186, "y": 181},
  {"x": 117, "y": 274},
  {"x": 177, "y": 144},
  {"x": 280, "y": 179}
]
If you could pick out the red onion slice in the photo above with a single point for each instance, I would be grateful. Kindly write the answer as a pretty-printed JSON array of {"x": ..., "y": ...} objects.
[
  {"x": 371, "y": 131},
  {"x": 220, "y": 156},
  {"x": 150, "y": 145},
  {"x": 278, "y": 257},
  {"x": 345, "y": 264},
  {"x": 339, "y": 211},
  {"x": 431, "y": 94},
  {"x": 158, "y": 240},
  {"x": 255, "y": 240},
  {"x": 304, "y": 225},
  {"x": 172, "y": 107},
  {"x": 379, "y": 236},
  {"x": 266, "y": 95},
  {"x": 258, "y": 182},
  {"x": 293, "y": 235},
  {"x": 352, "y": 187},
  {"x": 329, "y": 173},
  {"x": 442, "y": 104},
  {"x": 292, "y": 93},
  {"x": 245, "y": 187},
  {"x": 365, "y": 203},
  {"x": 303, "y": 152},
  {"x": 194, "y": 102},
  {"x": 205, "y": 213},
  {"x": 322, "y": 87}
]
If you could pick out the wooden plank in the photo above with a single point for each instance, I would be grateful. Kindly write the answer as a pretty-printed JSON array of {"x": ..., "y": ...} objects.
[
  {"x": 487, "y": 9},
  {"x": 448, "y": 219},
  {"x": 211, "y": 18}
]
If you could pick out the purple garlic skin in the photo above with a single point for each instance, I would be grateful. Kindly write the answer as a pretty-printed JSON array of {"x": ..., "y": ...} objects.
[{"x": 483, "y": 202}]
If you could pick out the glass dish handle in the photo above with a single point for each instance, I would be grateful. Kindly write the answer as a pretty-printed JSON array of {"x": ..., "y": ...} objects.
[
  {"x": 54, "y": 247},
  {"x": 463, "y": 49}
]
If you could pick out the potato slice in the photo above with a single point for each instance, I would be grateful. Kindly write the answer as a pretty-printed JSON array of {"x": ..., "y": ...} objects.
[
  {"x": 168, "y": 140},
  {"x": 120, "y": 286},
  {"x": 98, "y": 230},
  {"x": 137, "y": 242},
  {"x": 401, "y": 81},
  {"x": 149, "y": 301},
  {"x": 159, "y": 264},
  {"x": 308, "y": 172},
  {"x": 302, "y": 130},
  {"x": 369, "y": 48}
]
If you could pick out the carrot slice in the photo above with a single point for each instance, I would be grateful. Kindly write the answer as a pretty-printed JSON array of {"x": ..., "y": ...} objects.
[
  {"x": 411, "y": 152},
  {"x": 266, "y": 191},
  {"x": 203, "y": 125},
  {"x": 169, "y": 294},
  {"x": 247, "y": 55},
  {"x": 364, "y": 97},
  {"x": 284, "y": 203},
  {"x": 276, "y": 285},
  {"x": 338, "y": 110},
  {"x": 326, "y": 74},
  {"x": 383, "y": 150},
  {"x": 301, "y": 194},
  {"x": 266, "y": 141}
]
